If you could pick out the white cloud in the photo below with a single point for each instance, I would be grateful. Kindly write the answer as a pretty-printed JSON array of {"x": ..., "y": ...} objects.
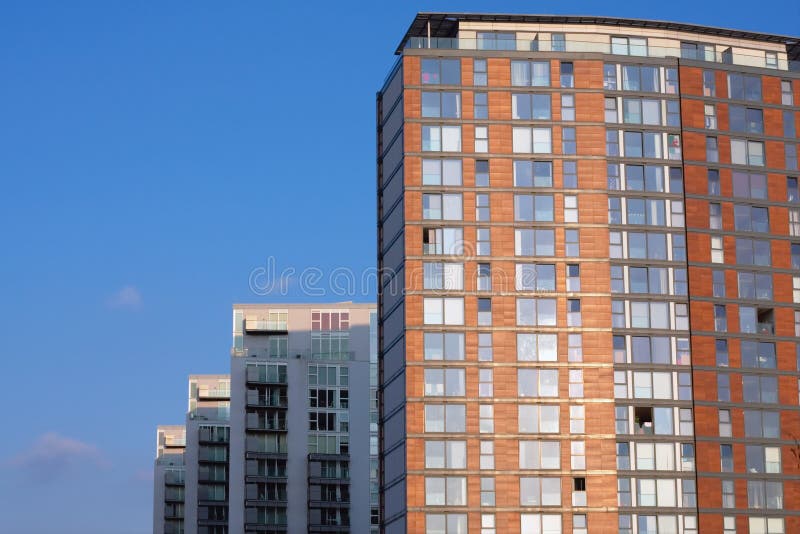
[
  {"x": 127, "y": 297},
  {"x": 52, "y": 454}
]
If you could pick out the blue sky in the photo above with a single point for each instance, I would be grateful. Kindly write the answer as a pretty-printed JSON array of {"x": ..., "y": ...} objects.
[{"x": 152, "y": 156}]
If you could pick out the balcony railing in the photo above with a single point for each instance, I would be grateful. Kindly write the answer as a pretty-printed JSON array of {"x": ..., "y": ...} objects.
[
  {"x": 266, "y": 424},
  {"x": 214, "y": 393},
  {"x": 765, "y": 328},
  {"x": 264, "y": 325},
  {"x": 756, "y": 59},
  {"x": 253, "y": 399},
  {"x": 174, "y": 478}
]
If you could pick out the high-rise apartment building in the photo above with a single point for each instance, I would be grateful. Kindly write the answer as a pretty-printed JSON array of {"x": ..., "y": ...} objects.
[
  {"x": 304, "y": 414},
  {"x": 288, "y": 442},
  {"x": 169, "y": 480},
  {"x": 589, "y": 243},
  {"x": 207, "y": 455}
]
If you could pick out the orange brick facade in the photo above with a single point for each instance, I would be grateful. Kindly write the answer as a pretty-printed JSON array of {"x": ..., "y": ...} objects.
[{"x": 701, "y": 509}]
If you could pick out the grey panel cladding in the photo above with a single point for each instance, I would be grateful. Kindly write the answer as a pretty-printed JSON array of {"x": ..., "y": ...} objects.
[
  {"x": 393, "y": 225},
  {"x": 393, "y": 90},
  {"x": 391, "y": 286},
  {"x": 393, "y": 325},
  {"x": 394, "y": 395},
  {"x": 393, "y": 156},
  {"x": 394, "y": 359},
  {"x": 395, "y": 463},
  {"x": 394, "y": 426},
  {"x": 395, "y": 503},
  {"x": 392, "y": 189},
  {"x": 394, "y": 123},
  {"x": 394, "y": 256}
]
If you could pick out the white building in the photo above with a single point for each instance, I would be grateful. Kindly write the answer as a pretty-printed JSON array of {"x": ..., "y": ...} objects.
[{"x": 287, "y": 443}]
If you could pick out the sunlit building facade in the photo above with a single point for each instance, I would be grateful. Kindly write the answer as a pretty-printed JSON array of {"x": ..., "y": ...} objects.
[{"x": 589, "y": 243}]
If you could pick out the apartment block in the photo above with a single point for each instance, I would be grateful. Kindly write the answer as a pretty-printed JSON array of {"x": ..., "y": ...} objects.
[
  {"x": 304, "y": 381},
  {"x": 207, "y": 454},
  {"x": 288, "y": 442},
  {"x": 169, "y": 480},
  {"x": 589, "y": 246}
]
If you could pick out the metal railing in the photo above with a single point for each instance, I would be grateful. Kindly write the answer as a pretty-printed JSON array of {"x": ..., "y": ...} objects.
[
  {"x": 265, "y": 325},
  {"x": 727, "y": 57}
]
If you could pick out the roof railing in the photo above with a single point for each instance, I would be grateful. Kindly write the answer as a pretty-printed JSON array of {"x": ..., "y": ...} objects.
[{"x": 756, "y": 59}]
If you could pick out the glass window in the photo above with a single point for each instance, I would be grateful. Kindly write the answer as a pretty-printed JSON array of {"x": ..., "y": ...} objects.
[
  {"x": 537, "y": 347},
  {"x": 710, "y": 112},
  {"x": 444, "y": 382},
  {"x": 712, "y": 150},
  {"x": 749, "y": 120},
  {"x": 445, "y": 418},
  {"x": 535, "y": 277},
  {"x": 449, "y": 276},
  {"x": 609, "y": 77},
  {"x": 481, "y": 173},
  {"x": 744, "y": 87},
  {"x": 496, "y": 41},
  {"x": 611, "y": 110},
  {"x": 569, "y": 171},
  {"x": 713, "y": 182},
  {"x": 567, "y": 107},
  {"x": 448, "y": 241},
  {"x": 441, "y": 172},
  {"x": 567, "y": 74},
  {"x": 571, "y": 243},
  {"x": 441, "y": 138},
  {"x": 789, "y": 129},
  {"x": 446, "y": 105},
  {"x": 673, "y": 113},
  {"x": 529, "y": 106},
  {"x": 441, "y": 71},
  {"x": 443, "y": 311},
  {"x": 530, "y": 73},
  {"x": 444, "y": 346},
  {"x": 790, "y": 152},
  {"x": 533, "y": 173},
  {"x": 787, "y": 98},
  {"x": 568, "y": 141},
  {"x": 558, "y": 42},
  {"x": 445, "y": 454},
  {"x": 480, "y": 107},
  {"x": 445, "y": 491},
  {"x": 479, "y": 72},
  {"x": 629, "y": 46},
  {"x": 481, "y": 139},
  {"x": 709, "y": 83},
  {"x": 537, "y": 208},
  {"x": 539, "y": 454},
  {"x": 536, "y": 312},
  {"x": 612, "y": 142},
  {"x": 530, "y": 242},
  {"x": 532, "y": 140},
  {"x": 749, "y": 185}
]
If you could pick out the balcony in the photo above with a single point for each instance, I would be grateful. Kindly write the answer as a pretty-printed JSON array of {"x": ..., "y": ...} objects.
[
  {"x": 256, "y": 326},
  {"x": 214, "y": 393},
  {"x": 213, "y": 456},
  {"x": 266, "y": 424},
  {"x": 174, "y": 494},
  {"x": 175, "y": 527},
  {"x": 174, "y": 478},
  {"x": 319, "y": 529},
  {"x": 259, "y": 519},
  {"x": 266, "y": 375},
  {"x": 254, "y": 400},
  {"x": 765, "y": 328},
  {"x": 756, "y": 58},
  {"x": 175, "y": 442}
]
